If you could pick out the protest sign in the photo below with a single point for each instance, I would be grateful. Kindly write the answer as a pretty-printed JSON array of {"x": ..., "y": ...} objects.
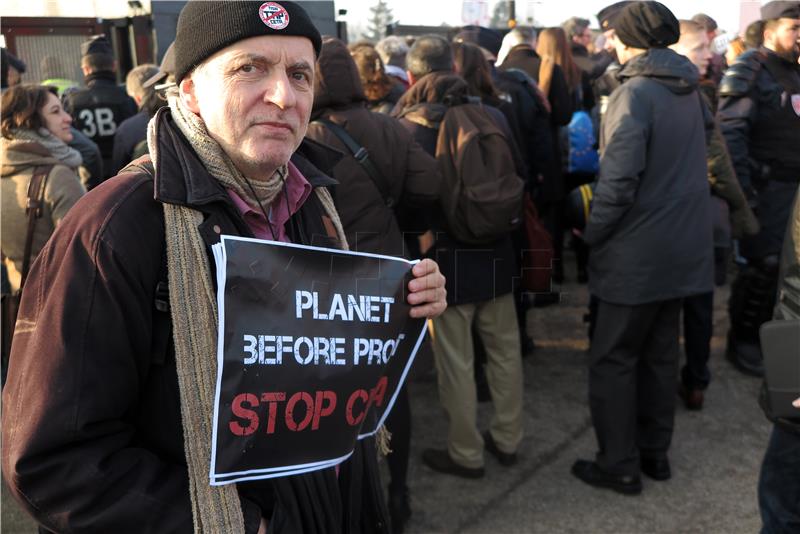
[{"x": 313, "y": 345}]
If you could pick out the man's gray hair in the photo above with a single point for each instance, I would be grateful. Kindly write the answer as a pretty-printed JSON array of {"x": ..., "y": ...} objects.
[
  {"x": 392, "y": 50},
  {"x": 517, "y": 36},
  {"x": 134, "y": 82},
  {"x": 575, "y": 26},
  {"x": 429, "y": 53}
]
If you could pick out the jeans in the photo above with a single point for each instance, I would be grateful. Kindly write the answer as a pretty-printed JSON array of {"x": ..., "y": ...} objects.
[{"x": 779, "y": 484}]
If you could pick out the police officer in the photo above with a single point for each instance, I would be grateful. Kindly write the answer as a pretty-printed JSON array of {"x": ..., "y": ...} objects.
[
  {"x": 102, "y": 105},
  {"x": 759, "y": 113}
]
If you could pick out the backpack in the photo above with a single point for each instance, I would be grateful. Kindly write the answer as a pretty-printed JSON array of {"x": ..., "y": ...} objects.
[
  {"x": 481, "y": 191},
  {"x": 581, "y": 154}
]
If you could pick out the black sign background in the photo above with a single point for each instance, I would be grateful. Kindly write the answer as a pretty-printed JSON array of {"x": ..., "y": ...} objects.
[{"x": 261, "y": 280}]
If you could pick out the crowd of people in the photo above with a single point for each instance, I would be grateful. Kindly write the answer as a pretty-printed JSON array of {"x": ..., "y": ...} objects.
[{"x": 659, "y": 162}]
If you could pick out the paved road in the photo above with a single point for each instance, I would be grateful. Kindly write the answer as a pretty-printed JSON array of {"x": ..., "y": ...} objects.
[{"x": 715, "y": 455}]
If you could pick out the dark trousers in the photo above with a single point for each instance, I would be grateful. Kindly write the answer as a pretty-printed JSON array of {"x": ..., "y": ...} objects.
[
  {"x": 779, "y": 484},
  {"x": 399, "y": 424},
  {"x": 632, "y": 380},
  {"x": 698, "y": 321}
]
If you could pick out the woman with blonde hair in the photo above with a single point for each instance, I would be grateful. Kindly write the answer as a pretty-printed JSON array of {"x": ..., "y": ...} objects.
[{"x": 553, "y": 48}]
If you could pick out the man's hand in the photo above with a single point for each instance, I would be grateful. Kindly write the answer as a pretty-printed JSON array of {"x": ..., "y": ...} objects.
[
  {"x": 796, "y": 403},
  {"x": 262, "y": 527},
  {"x": 426, "y": 291}
]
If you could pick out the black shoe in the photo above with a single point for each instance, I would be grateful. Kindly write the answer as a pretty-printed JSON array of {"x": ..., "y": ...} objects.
[
  {"x": 692, "y": 398},
  {"x": 505, "y": 458},
  {"x": 399, "y": 509},
  {"x": 439, "y": 460},
  {"x": 655, "y": 467},
  {"x": 591, "y": 473},
  {"x": 745, "y": 356}
]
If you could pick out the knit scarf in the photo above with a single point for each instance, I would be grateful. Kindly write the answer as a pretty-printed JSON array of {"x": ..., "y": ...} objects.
[
  {"x": 215, "y": 509},
  {"x": 57, "y": 148}
]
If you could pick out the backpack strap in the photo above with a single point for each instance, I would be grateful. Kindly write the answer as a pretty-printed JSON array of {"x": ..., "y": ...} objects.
[
  {"x": 361, "y": 155},
  {"x": 33, "y": 209}
]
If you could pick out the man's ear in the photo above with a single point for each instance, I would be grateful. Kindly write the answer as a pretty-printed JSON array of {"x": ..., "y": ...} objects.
[{"x": 188, "y": 94}]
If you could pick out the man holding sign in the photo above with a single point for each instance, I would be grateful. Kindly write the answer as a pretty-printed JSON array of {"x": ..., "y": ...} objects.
[{"x": 109, "y": 407}]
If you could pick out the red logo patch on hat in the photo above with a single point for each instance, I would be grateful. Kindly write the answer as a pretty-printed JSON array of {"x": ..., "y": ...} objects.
[{"x": 273, "y": 15}]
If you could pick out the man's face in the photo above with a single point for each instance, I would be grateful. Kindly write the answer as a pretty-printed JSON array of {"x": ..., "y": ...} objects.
[
  {"x": 255, "y": 98},
  {"x": 695, "y": 46},
  {"x": 611, "y": 39},
  {"x": 585, "y": 38},
  {"x": 783, "y": 38}
]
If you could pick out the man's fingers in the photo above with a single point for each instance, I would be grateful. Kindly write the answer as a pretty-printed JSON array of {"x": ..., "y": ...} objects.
[
  {"x": 427, "y": 296},
  {"x": 428, "y": 310}
]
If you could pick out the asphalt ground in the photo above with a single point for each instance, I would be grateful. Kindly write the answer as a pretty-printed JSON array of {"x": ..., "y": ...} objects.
[{"x": 715, "y": 455}]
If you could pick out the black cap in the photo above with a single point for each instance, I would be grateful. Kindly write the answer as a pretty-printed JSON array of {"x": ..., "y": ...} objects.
[
  {"x": 608, "y": 15},
  {"x": 166, "y": 68},
  {"x": 13, "y": 61},
  {"x": 483, "y": 37},
  {"x": 647, "y": 25},
  {"x": 206, "y": 27},
  {"x": 97, "y": 45},
  {"x": 780, "y": 10}
]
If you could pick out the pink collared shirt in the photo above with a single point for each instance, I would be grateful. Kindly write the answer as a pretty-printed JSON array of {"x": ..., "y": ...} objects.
[{"x": 297, "y": 190}]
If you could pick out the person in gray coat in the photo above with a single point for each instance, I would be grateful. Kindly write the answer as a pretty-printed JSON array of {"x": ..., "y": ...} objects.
[{"x": 651, "y": 245}]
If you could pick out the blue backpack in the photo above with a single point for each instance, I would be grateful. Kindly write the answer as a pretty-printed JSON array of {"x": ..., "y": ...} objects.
[{"x": 582, "y": 155}]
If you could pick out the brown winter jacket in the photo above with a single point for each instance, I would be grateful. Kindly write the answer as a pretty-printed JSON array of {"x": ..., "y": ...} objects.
[
  {"x": 408, "y": 175},
  {"x": 62, "y": 189},
  {"x": 92, "y": 435}
]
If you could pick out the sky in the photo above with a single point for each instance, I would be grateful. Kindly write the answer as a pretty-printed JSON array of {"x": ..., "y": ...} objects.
[
  {"x": 422, "y": 12},
  {"x": 543, "y": 12}
]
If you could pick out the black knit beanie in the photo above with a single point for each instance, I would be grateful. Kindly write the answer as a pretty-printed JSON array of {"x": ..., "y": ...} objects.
[
  {"x": 206, "y": 27},
  {"x": 647, "y": 25}
]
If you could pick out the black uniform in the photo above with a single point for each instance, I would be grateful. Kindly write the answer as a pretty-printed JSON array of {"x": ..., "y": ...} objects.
[
  {"x": 759, "y": 114},
  {"x": 98, "y": 110}
]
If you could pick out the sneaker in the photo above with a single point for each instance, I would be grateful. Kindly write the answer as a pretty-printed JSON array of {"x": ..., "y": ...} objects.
[
  {"x": 505, "y": 458},
  {"x": 439, "y": 460},
  {"x": 590, "y": 473}
]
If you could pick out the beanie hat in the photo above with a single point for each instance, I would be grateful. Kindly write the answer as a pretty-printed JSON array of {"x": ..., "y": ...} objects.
[
  {"x": 98, "y": 44},
  {"x": 647, "y": 25},
  {"x": 780, "y": 9},
  {"x": 206, "y": 27},
  {"x": 608, "y": 15}
]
